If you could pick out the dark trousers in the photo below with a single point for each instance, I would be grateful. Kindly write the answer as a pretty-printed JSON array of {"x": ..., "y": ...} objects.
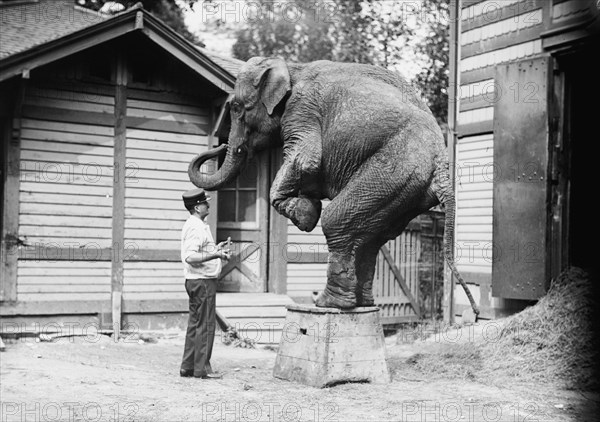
[{"x": 201, "y": 326}]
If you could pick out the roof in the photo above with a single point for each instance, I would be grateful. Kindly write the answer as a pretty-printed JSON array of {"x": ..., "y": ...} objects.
[
  {"x": 26, "y": 25},
  {"x": 230, "y": 64},
  {"x": 35, "y": 33}
]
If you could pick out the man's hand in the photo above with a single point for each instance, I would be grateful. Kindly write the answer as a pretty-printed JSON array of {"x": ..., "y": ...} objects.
[{"x": 223, "y": 249}]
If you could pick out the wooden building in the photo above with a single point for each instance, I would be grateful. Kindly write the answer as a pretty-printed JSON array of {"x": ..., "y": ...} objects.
[
  {"x": 523, "y": 136},
  {"x": 100, "y": 116}
]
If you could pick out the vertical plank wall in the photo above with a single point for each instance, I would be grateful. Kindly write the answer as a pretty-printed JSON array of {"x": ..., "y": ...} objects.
[
  {"x": 491, "y": 33},
  {"x": 65, "y": 191},
  {"x": 164, "y": 132}
]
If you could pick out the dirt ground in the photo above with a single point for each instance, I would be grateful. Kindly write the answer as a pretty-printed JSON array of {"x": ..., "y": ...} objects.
[{"x": 98, "y": 379}]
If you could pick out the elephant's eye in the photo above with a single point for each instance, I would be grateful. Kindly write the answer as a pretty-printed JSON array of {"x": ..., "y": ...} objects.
[{"x": 236, "y": 108}]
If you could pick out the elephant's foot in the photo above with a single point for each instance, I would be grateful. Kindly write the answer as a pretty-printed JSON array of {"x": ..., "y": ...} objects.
[
  {"x": 364, "y": 296},
  {"x": 330, "y": 300},
  {"x": 304, "y": 212},
  {"x": 341, "y": 283}
]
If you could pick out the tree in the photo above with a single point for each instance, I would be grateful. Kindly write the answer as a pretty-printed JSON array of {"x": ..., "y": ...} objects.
[
  {"x": 294, "y": 33},
  {"x": 433, "y": 79},
  {"x": 166, "y": 10},
  {"x": 341, "y": 30},
  {"x": 362, "y": 31}
]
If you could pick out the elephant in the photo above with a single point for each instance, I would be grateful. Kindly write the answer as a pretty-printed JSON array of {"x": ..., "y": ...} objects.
[{"x": 356, "y": 134}]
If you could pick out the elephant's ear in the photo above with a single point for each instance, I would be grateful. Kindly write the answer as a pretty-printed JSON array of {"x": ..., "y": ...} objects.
[{"x": 274, "y": 83}]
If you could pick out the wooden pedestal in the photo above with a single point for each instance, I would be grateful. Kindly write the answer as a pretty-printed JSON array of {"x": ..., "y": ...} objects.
[{"x": 325, "y": 346}]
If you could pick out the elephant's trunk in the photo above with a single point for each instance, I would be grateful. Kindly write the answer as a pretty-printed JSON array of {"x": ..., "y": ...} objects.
[{"x": 229, "y": 170}]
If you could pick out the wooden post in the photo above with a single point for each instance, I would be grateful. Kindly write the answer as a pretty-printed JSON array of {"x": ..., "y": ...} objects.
[
  {"x": 118, "y": 215},
  {"x": 277, "y": 251},
  {"x": 213, "y": 142},
  {"x": 455, "y": 13},
  {"x": 10, "y": 208},
  {"x": 264, "y": 175}
]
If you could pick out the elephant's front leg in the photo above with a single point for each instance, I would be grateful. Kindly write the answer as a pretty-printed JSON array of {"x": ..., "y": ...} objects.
[{"x": 291, "y": 191}]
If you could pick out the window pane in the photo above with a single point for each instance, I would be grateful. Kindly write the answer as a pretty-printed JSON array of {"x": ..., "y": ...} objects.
[
  {"x": 226, "y": 206},
  {"x": 246, "y": 206},
  {"x": 247, "y": 179}
]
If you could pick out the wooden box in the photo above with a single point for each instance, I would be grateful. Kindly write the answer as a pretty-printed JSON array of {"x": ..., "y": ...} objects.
[{"x": 325, "y": 346}]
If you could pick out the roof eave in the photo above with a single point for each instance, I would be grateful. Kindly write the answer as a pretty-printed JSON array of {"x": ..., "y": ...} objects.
[
  {"x": 64, "y": 46},
  {"x": 186, "y": 52},
  {"x": 133, "y": 20}
]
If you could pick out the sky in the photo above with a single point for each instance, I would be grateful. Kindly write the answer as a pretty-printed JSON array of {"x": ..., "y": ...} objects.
[{"x": 201, "y": 21}]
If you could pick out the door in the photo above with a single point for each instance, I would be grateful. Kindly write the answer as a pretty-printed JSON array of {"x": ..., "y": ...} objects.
[
  {"x": 521, "y": 180},
  {"x": 243, "y": 215}
]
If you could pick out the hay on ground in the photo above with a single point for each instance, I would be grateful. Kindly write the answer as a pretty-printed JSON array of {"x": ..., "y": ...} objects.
[{"x": 552, "y": 340}]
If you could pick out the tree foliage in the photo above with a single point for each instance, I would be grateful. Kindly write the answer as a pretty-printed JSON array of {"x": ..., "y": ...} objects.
[
  {"x": 375, "y": 32},
  {"x": 380, "y": 32},
  {"x": 433, "y": 79},
  {"x": 341, "y": 30},
  {"x": 166, "y": 10}
]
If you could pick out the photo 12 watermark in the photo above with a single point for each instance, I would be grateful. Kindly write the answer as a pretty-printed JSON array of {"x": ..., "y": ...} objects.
[
  {"x": 70, "y": 411},
  {"x": 272, "y": 411}
]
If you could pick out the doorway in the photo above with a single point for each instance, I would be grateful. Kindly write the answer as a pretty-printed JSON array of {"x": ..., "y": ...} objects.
[{"x": 582, "y": 113}]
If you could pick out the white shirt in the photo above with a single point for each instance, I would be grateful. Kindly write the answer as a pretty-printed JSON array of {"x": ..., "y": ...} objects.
[{"x": 196, "y": 237}]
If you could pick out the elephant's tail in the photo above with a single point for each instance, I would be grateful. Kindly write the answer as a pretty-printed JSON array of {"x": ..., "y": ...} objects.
[{"x": 445, "y": 193}]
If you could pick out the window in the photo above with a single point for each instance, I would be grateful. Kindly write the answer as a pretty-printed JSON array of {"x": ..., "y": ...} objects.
[{"x": 237, "y": 201}]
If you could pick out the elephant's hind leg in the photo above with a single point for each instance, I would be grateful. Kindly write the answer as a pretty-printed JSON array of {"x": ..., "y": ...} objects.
[
  {"x": 371, "y": 207},
  {"x": 366, "y": 259},
  {"x": 340, "y": 291}
]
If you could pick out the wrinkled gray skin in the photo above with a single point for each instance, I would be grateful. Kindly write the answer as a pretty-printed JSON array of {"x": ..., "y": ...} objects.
[{"x": 356, "y": 134}]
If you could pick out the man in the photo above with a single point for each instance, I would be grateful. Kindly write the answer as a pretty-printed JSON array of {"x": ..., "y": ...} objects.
[{"x": 201, "y": 266}]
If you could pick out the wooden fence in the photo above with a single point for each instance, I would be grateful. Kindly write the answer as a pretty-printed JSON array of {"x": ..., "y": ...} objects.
[{"x": 405, "y": 268}]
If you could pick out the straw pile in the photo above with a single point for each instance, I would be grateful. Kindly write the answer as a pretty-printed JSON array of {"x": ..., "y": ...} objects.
[{"x": 553, "y": 340}]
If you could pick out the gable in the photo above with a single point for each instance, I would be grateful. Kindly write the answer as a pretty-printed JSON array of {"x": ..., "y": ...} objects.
[{"x": 35, "y": 34}]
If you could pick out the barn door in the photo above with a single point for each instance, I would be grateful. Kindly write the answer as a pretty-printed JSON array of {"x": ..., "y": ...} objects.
[
  {"x": 243, "y": 216},
  {"x": 521, "y": 151},
  {"x": 396, "y": 279}
]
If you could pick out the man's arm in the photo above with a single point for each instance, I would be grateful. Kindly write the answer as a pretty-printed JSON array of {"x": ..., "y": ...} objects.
[{"x": 198, "y": 258}]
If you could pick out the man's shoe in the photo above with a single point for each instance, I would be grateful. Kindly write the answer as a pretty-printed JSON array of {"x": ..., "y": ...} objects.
[
  {"x": 212, "y": 376},
  {"x": 186, "y": 372}
]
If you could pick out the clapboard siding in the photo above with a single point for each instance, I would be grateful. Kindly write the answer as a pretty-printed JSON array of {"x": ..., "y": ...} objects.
[
  {"x": 506, "y": 27},
  {"x": 63, "y": 280},
  {"x": 569, "y": 10},
  {"x": 67, "y": 172},
  {"x": 474, "y": 186},
  {"x": 303, "y": 279},
  {"x": 513, "y": 52},
  {"x": 141, "y": 279},
  {"x": 475, "y": 116},
  {"x": 493, "y": 33},
  {"x": 156, "y": 169},
  {"x": 305, "y": 272}
]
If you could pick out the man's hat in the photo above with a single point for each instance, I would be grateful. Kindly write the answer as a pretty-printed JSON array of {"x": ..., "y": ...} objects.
[{"x": 194, "y": 196}]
